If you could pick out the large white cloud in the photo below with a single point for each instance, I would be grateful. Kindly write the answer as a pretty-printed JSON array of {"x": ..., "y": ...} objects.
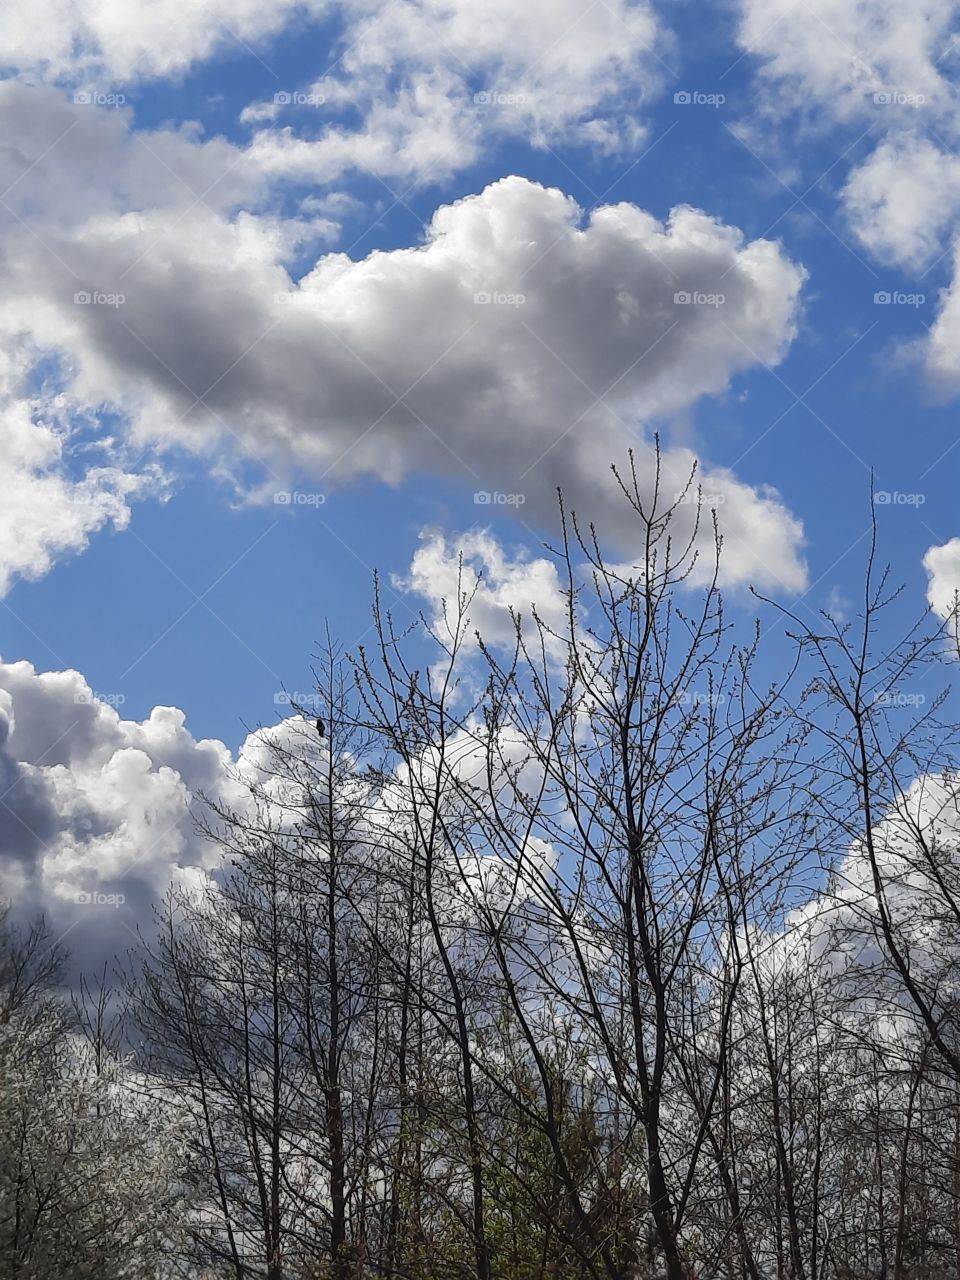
[
  {"x": 435, "y": 81},
  {"x": 915, "y": 844},
  {"x": 95, "y": 811},
  {"x": 569, "y": 70},
  {"x": 520, "y": 347},
  {"x": 98, "y": 814},
  {"x": 66, "y": 468}
]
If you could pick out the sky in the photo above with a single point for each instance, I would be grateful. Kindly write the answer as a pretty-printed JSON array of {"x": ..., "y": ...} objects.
[{"x": 290, "y": 293}]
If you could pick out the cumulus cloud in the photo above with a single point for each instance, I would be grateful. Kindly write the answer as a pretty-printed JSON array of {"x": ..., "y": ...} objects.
[
  {"x": 54, "y": 499},
  {"x": 940, "y": 352},
  {"x": 879, "y": 68},
  {"x": 903, "y": 205},
  {"x": 98, "y": 813},
  {"x": 431, "y": 82},
  {"x": 917, "y": 858},
  {"x": 67, "y": 467},
  {"x": 521, "y": 346},
  {"x": 126, "y": 40},
  {"x": 902, "y": 202},
  {"x": 942, "y": 564},
  {"x": 95, "y": 810},
  {"x": 435, "y": 82},
  {"x": 501, "y": 587},
  {"x": 830, "y": 56}
]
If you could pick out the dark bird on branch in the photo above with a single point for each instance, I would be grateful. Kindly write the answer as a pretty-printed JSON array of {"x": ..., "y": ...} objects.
[{"x": 321, "y": 730}]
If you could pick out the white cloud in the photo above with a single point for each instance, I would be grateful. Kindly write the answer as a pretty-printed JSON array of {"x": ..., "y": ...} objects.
[
  {"x": 94, "y": 808},
  {"x": 917, "y": 857},
  {"x": 904, "y": 200},
  {"x": 943, "y": 577},
  {"x": 434, "y": 82},
  {"x": 940, "y": 352},
  {"x": 98, "y": 813},
  {"x": 54, "y": 499},
  {"x": 520, "y": 347},
  {"x": 118, "y": 41},
  {"x": 501, "y": 587},
  {"x": 431, "y": 80},
  {"x": 904, "y": 206},
  {"x": 831, "y": 57},
  {"x": 74, "y": 173},
  {"x": 875, "y": 67}
]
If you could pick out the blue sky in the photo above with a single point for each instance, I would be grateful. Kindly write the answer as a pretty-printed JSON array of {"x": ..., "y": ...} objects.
[{"x": 144, "y": 549}]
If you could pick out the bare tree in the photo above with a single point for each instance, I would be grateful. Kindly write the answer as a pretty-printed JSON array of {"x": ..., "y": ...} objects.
[{"x": 88, "y": 1166}]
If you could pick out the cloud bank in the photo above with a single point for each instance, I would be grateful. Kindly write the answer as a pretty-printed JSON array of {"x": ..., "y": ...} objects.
[{"x": 523, "y": 345}]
